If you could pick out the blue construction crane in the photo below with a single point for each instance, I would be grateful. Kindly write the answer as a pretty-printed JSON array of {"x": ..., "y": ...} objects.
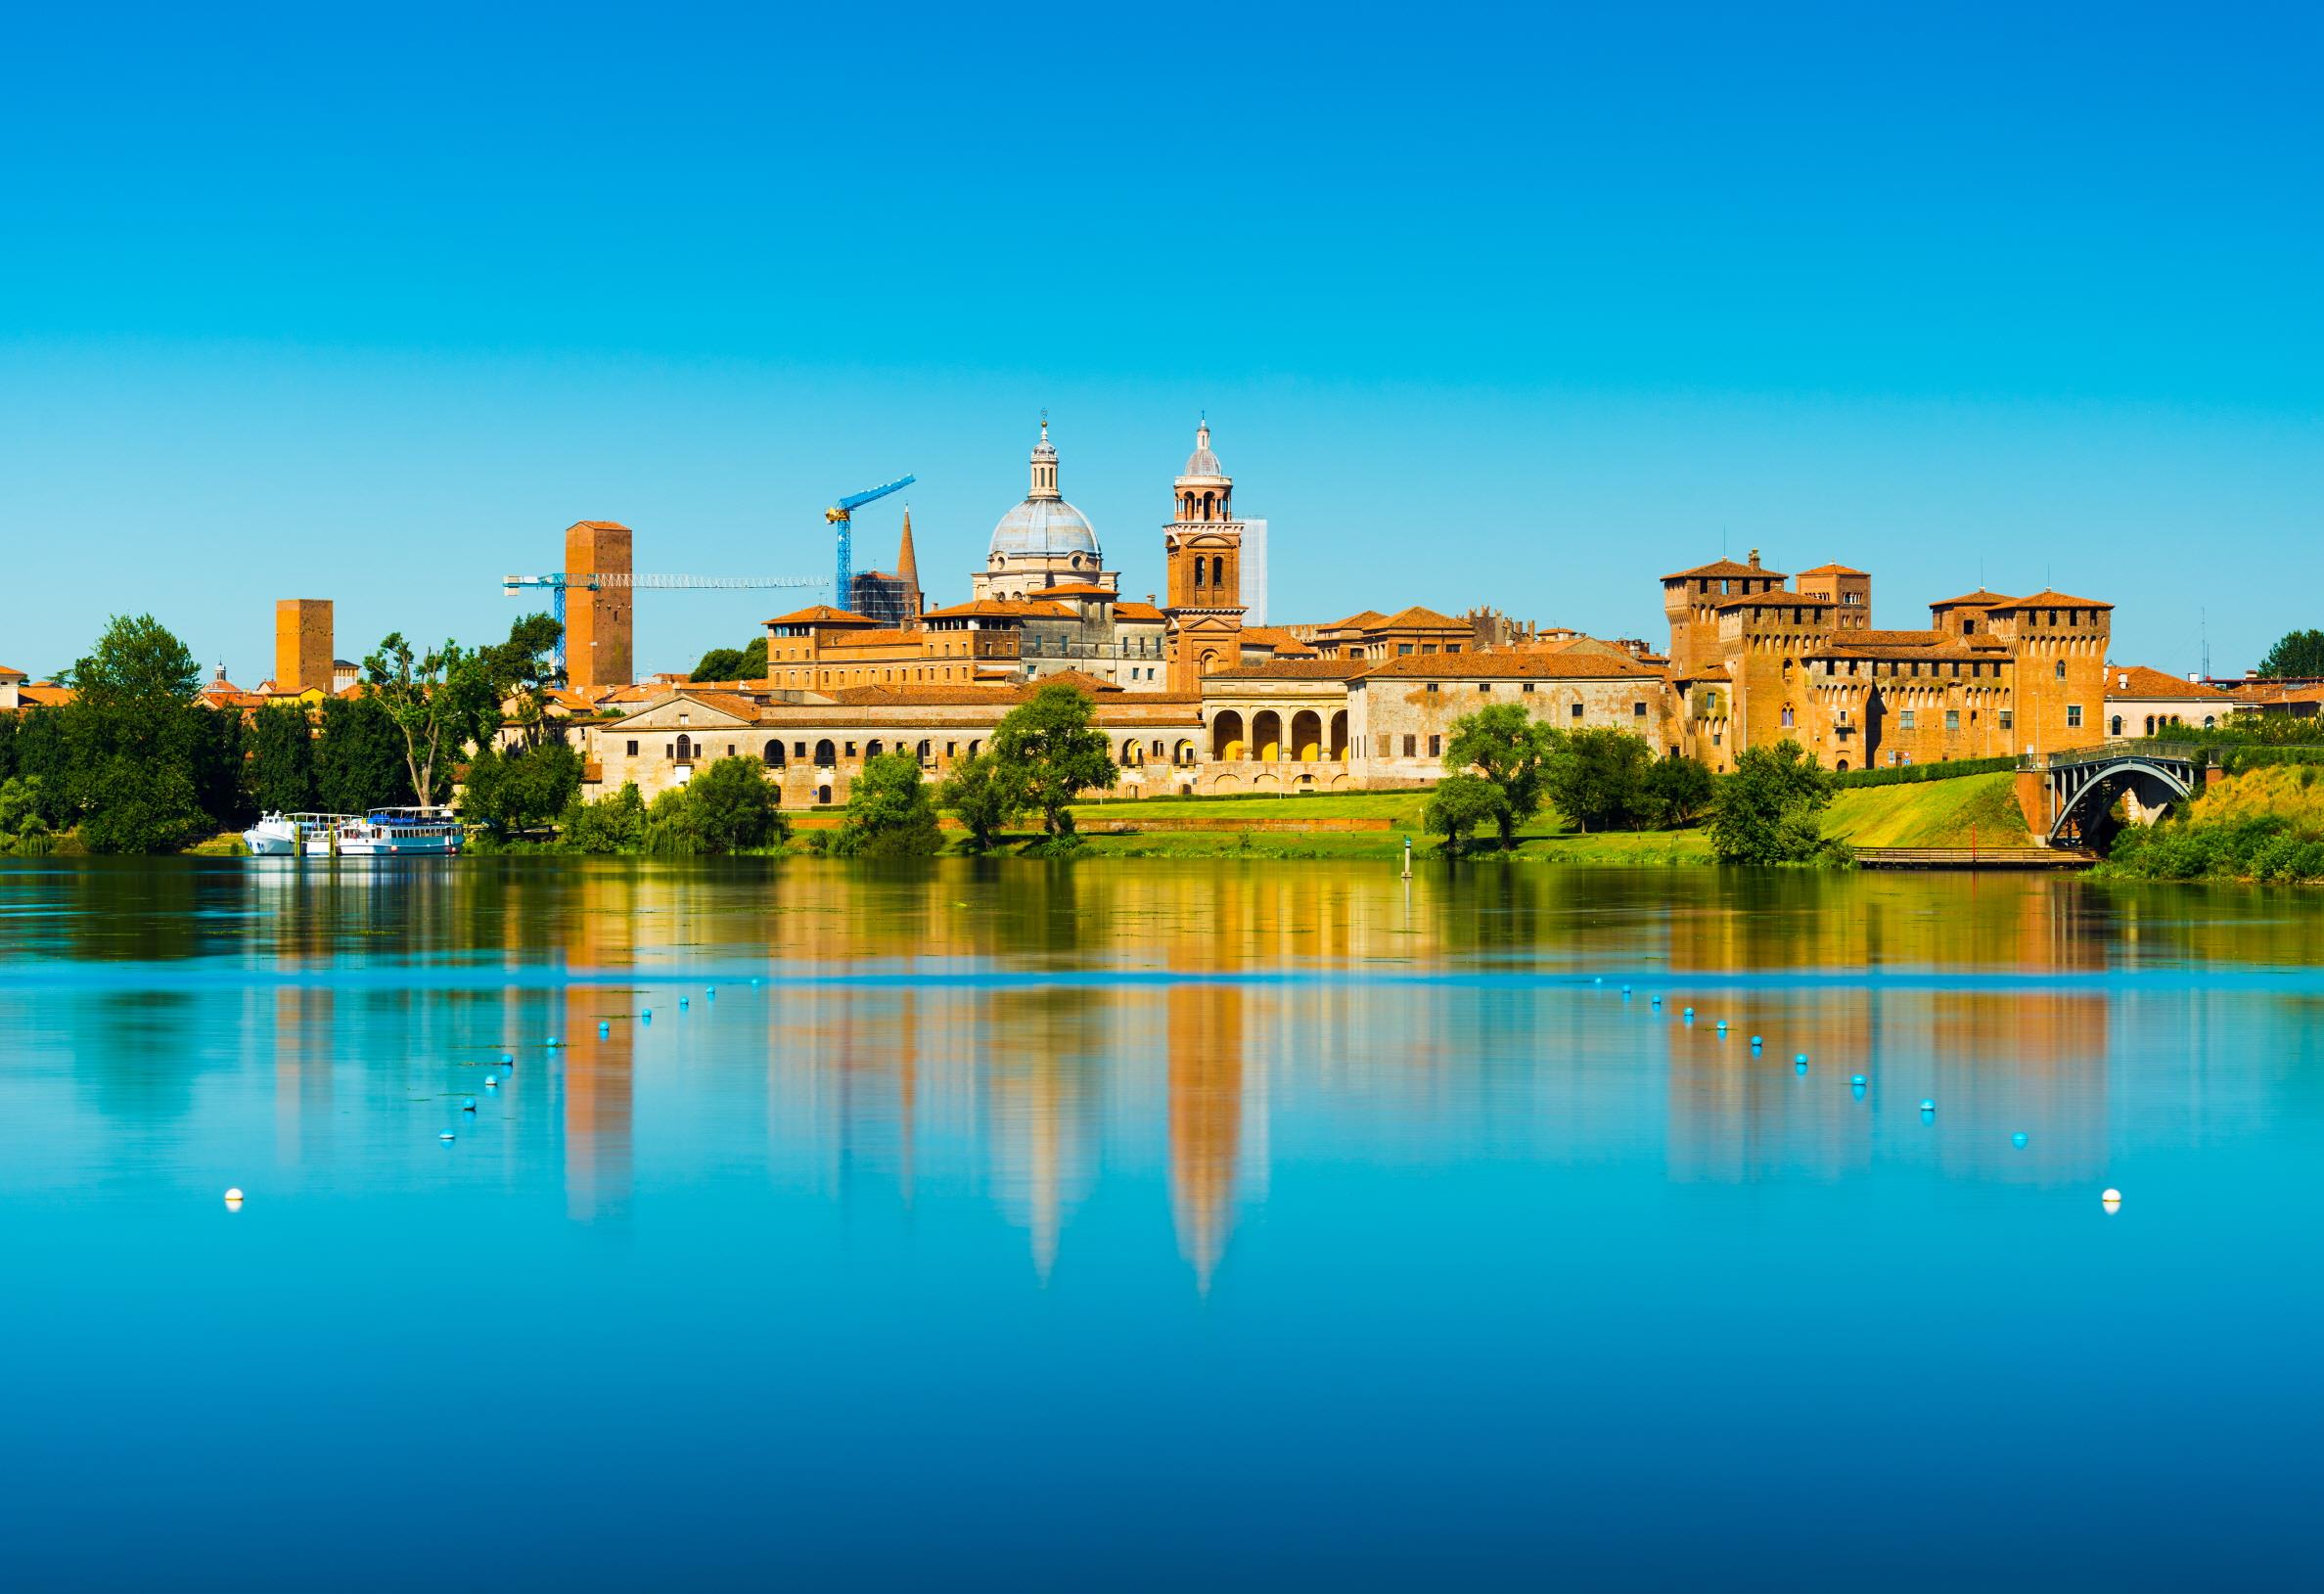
[
  {"x": 841, "y": 514},
  {"x": 560, "y": 582}
]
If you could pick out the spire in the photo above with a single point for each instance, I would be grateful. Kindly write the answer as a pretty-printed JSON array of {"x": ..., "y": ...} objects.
[{"x": 906, "y": 565}]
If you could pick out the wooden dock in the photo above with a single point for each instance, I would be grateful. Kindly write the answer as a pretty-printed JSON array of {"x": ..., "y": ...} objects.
[{"x": 1974, "y": 857}]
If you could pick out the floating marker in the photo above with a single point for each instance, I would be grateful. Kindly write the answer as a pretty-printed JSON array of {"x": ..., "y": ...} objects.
[
  {"x": 1626, "y": 990},
  {"x": 1754, "y": 1040},
  {"x": 1722, "y": 1026},
  {"x": 491, "y": 1082},
  {"x": 1654, "y": 1001},
  {"x": 552, "y": 1042},
  {"x": 234, "y": 1197},
  {"x": 1928, "y": 1107},
  {"x": 1801, "y": 1057},
  {"x": 1598, "y": 980},
  {"x": 2019, "y": 1140},
  {"x": 506, "y": 1057},
  {"x": 1857, "y": 1079},
  {"x": 447, "y": 1135},
  {"x": 468, "y": 1103},
  {"x": 603, "y": 1027},
  {"x": 753, "y": 979},
  {"x": 1801, "y": 1067},
  {"x": 1689, "y": 1015},
  {"x": 709, "y": 993},
  {"x": 1856, "y": 1090},
  {"x": 682, "y": 1004},
  {"x": 2111, "y": 1199}
]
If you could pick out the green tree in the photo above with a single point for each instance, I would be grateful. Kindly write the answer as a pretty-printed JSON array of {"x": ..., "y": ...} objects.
[
  {"x": 1459, "y": 806},
  {"x": 136, "y": 742},
  {"x": 1598, "y": 779},
  {"x": 979, "y": 798},
  {"x": 521, "y": 670},
  {"x": 1508, "y": 748},
  {"x": 729, "y": 807},
  {"x": 748, "y": 663},
  {"x": 611, "y": 824},
  {"x": 522, "y": 789},
  {"x": 43, "y": 753},
  {"x": 360, "y": 757},
  {"x": 1766, "y": 809},
  {"x": 1683, "y": 789},
  {"x": 2297, "y": 655},
  {"x": 282, "y": 766},
  {"x": 1049, "y": 752},
  {"x": 440, "y": 702},
  {"x": 890, "y": 814},
  {"x": 22, "y": 830}
]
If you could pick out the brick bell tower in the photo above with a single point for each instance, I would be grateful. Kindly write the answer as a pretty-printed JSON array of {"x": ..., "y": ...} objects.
[{"x": 1203, "y": 556}]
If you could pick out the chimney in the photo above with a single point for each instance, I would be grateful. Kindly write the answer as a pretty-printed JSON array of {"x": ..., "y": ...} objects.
[{"x": 1754, "y": 559}]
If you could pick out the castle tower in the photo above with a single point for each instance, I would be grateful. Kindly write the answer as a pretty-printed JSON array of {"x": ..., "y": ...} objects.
[
  {"x": 1849, "y": 591},
  {"x": 596, "y": 639},
  {"x": 1691, "y": 601},
  {"x": 1203, "y": 556},
  {"x": 302, "y": 645}
]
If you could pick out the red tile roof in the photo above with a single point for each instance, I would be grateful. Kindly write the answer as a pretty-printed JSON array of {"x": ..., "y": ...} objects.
[
  {"x": 1138, "y": 612},
  {"x": 1001, "y": 608},
  {"x": 1419, "y": 618},
  {"x": 2047, "y": 599},
  {"x": 1721, "y": 570},
  {"x": 1980, "y": 599},
  {"x": 1296, "y": 669},
  {"x": 2138, "y": 681},
  {"x": 823, "y": 614},
  {"x": 1837, "y": 569},
  {"x": 1077, "y": 589},
  {"x": 1510, "y": 664}
]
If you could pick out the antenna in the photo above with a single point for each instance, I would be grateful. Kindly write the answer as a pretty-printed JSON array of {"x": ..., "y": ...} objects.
[{"x": 2203, "y": 623}]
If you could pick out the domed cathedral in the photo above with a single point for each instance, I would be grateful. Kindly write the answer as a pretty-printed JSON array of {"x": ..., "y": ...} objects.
[
  {"x": 1203, "y": 549},
  {"x": 1043, "y": 542}
]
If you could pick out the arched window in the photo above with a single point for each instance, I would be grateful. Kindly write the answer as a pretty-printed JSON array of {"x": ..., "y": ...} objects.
[
  {"x": 2115, "y": 727},
  {"x": 826, "y": 754},
  {"x": 1197, "y": 573},
  {"x": 773, "y": 754},
  {"x": 682, "y": 749},
  {"x": 1217, "y": 569},
  {"x": 2150, "y": 725}
]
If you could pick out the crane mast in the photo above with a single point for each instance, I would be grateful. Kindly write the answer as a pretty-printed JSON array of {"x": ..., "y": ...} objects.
[{"x": 841, "y": 514}]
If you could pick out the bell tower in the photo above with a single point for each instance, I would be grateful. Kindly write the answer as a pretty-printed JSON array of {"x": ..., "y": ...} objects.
[{"x": 1203, "y": 552}]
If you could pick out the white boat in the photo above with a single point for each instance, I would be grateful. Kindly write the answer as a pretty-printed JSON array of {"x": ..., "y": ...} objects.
[
  {"x": 379, "y": 834},
  {"x": 398, "y": 832},
  {"x": 289, "y": 835}
]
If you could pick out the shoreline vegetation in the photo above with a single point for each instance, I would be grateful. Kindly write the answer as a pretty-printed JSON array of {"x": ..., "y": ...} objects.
[{"x": 138, "y": 762}]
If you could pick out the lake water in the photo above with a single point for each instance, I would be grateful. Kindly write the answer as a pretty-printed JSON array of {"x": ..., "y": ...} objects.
[{"x": 1173, "y": 1225}]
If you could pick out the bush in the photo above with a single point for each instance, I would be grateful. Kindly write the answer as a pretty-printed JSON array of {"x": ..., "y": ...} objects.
[
  {"x": 523, "y": 789},
  {"x": 1911, "y": 774},
  {"x": 729, "y": 807},
  {"x": 979, "y": 798},
  {"x": 1600, "y": 780},
  {"x": 611, "y": 824}
]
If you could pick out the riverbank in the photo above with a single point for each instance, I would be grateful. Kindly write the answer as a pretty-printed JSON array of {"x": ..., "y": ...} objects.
[{"x": 2266, "y": 824}]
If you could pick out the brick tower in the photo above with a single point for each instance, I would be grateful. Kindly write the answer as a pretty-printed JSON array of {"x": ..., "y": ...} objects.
[
  {"x": 1203, "y": 553},
  {"x": 302, "y": 645},
  {"x": 596, "y": 623}
]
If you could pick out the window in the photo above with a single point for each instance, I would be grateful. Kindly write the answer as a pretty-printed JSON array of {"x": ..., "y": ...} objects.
[
  {"x": 634, "y": 747},
  {"x": 1435, "y": 747},
  {"x": 1528, "y": 687},
  {"x": 1404, "y": 647},
  {"x": 2150, "y": 725},
  {"x": 2115, "y": 726},
  {"x": 1574, "y": 710},
  {"x": 1904, "y": 720},
  {"x": 2008, "y": 716},
  {"x": 1485, "y": 686},
  {"x": 1431, "y": 686},
  {"x": 1952, "y": 719},
  {"x": 851, "y": 749},
  {"x": 798, "y": 749},
  {"x": 1787, "y": 717},
  {"x": 2074, "y": 716},
  {"x": 682, "y": 749},
  {"x": 1638, "y": 709},
  {"x": 730, "y": 750},
  {"x": 1411, "y": 746},
  {"x": 2061, "y": 669}
]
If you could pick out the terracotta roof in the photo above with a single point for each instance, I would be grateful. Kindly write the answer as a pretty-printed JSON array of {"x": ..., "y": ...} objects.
[
  {"x": 598, "y": 526},
  {"x": 1138, "y": 612},
  {"x": 1837, "y": 569},
  {"x": 1980, "y": 599},
  {"x": 46, "y": 694},
  {"x": 1091, "y": 684},
  {"x": 905, "y": 696},
  {"x": 1297, "y": 669},
  {"x": 1001, "y": 608},
  {"x": 2273, "y": 691},
  {"x": 1503, "y": 664},
  {"x": 7, "y": 674},
  {"x": 1780, "y": 598},
  {"x": 2048, "y": 599},
  {"x": 1361, "y": 619},
  {"x": 1871, "y": 638},
  {"x": 1419, "y": 618},
  {"x": 823, "y": 614},
  {"x": 2138, "y": 681},
  {"x": 1280, "y": 642},
  {"x": 1721, "y": 569}
]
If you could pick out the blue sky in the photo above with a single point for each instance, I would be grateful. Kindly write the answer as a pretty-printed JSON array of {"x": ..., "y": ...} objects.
[{"x": 1522, "y": 306}]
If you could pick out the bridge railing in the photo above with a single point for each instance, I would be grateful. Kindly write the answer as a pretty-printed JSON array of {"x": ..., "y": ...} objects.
[{"x": 2114, "y": 750}]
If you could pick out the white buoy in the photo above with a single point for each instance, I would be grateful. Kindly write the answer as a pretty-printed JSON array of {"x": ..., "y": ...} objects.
[
  {"x": 447, "y": 1135},
  {"x": 491, "y": 1082},
  {"x": 234, "y": 1197},
  {"x": 2111, "y": 1199}
]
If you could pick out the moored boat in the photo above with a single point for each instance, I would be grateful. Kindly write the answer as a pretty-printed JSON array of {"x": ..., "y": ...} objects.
[
  {"x": 292, "y": 835},
  {"x": 381, "y": 833}
]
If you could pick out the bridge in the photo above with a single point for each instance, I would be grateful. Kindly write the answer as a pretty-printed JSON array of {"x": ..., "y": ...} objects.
[{"x": 2071, "y": 793}]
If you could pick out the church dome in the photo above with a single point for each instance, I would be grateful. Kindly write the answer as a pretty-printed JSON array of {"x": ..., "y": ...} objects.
[{"x": 1044, "y": 526}]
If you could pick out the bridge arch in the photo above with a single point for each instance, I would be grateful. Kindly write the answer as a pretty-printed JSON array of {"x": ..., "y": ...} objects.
[{"x": 2083, "y": 794}]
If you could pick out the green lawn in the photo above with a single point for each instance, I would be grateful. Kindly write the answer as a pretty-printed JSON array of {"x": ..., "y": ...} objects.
[
  {"x": 1403, "y": 807},
  {"x": 1929, "y": 813}
]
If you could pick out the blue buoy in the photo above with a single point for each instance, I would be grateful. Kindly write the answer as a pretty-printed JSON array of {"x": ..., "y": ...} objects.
[
  {"x": 507, "y": 1058},
  {"x": 468, "y": 1103},
  {"x": 604, "y": 1027},
  {"x": 1801, "y": 1057},
  {"x": 1598, "y": 980},
  {"x": 2019, "y": 1140},
  {"x": 1857, "y": 1079},
  {"x": 552, "y": 1042},
  {"x": 447, "y": 1135},
  {"x": 682, "y": 1001},
  {"x": 753, "y": 979},
  {"x": 1754, "y": 1040},
  {"x": 1654, "y": 1001},
  {"x": 1928, "y": 1108},
  {"x": 709, "y": 993},
  {"x": 1856, "y": 1090},
  {"x": 1800, "y": 1067}
]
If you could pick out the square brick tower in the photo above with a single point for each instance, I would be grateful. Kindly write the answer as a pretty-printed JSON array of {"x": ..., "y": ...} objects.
[
  {"x": 596, "y": 623},
  {"x": 302, "y": 645}
]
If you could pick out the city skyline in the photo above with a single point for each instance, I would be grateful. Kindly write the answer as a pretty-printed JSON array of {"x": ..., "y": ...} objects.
[{"x": 1620, "y": 297}]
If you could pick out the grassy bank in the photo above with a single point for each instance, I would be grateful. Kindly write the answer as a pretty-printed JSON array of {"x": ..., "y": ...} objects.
[
  {"x": 2266, "y": 824},
  {"x": 1930, "y": 813}
]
